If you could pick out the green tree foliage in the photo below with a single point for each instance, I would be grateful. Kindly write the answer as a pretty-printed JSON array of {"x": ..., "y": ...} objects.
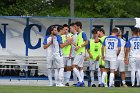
[{"x": 83, "y": 8}]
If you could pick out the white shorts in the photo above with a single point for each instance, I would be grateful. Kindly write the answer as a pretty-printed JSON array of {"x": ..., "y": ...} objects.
[
  {"x": 58, "y": 61},
  {"x": 49, "y": 63},
  {"x": 78, "y": 60},
  {"x": 93, "y": 65},
  {"x": 67, "y": 61},
  {"x": 110, "y": 64},
  {"x": 134, "y": 65},
  {"x": 120, "y": 65}
]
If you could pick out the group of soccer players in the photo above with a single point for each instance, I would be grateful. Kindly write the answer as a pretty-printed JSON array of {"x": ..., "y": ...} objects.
[{"x": 66, "y": 52}]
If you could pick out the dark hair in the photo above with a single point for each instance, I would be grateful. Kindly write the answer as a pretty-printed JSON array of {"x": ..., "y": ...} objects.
[
  {"x": 135, "y": 30},
  {"x": 102, "y": 30},
  {"x": 79, "y": 24},
  {"x": 48, "y": 32},
  {"x": 59, "y": 28},
  {"x": 94, "y": 31},
  {"x": 72, "y": 24},
  {"x": 115, "y": 30},
  {"x": 65, "y": 25}
]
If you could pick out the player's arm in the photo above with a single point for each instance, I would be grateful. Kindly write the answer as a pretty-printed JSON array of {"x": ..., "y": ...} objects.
[
  {"x": 88, "y": 50},
  {"x": 119, "y": 47},
  {"x": 45, "y": 44},
  {"x": 102, "y": 50},
  {"x": 126, "y": 51},
  {"x": 70, "y": 51}
]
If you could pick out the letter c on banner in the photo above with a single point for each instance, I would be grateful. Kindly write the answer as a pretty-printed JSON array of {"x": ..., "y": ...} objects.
[{"x": 26, "y": 36}]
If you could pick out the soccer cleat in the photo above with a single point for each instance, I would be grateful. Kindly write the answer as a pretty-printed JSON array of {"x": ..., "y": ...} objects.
[
  {"x": 124, "y": 85},
  {"x": 93, "y": 85},
  {"x": 67, "y": 84},
  {"x": 80, "y": 84},
  {"x": 102, "y": 85},
  {"x": 99, "y": 85}
]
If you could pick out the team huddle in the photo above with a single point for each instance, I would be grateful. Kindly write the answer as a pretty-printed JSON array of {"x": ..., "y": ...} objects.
[{"x": 66, "y": 52}]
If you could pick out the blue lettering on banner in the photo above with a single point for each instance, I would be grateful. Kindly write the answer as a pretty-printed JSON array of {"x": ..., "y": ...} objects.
[
  {"x": 3, "y": 36},
  {"x": 26, "y": 36}
]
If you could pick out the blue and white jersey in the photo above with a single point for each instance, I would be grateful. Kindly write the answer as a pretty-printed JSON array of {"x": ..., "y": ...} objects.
[
  {"x": 121, "y": 55},
  {"x": 134, "y": 44},
  {"x": 73, "y": 47},
  {"x": 49, "y": 50},
  {"x": 111, "y": 44},
  {"x": 57, "y": 40}
]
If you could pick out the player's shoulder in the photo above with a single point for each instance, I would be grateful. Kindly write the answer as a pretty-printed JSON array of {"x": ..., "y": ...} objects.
[
  {"x": 133, "y": 37},
  {"x": 47, "y": 36}
]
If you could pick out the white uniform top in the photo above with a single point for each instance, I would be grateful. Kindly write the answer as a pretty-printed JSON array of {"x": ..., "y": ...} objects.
[
  {"x": 57, "y": 50},
  {"x": 49, "y": 50},
  {"x": 111, "y": 44},
  {"x": 134, "y": 44},
  {"x": 73, "y": 47},
  {"x": 121, "y": 55}
]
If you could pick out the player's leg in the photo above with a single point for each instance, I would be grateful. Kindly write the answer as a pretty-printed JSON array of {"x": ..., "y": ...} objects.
[
  {"x": 112, "y": 75},
  {"x": 104, "y": 74},
  {"x": 65, "y": 69},
  {"x": 74, "y": 75},
  {"x": 132, "y": 63},
  {"x": 122, "y": 71},
  {"x": 75, "y": 70},
  {"x": 92, "y": 70},
  {"x": 60, "y": 66},
  {"x": 137, "y": 77},
  {"x": 50, "y": 66},
  {"x": 68, "y": 73},
  {"x": 138, "y": 72}
]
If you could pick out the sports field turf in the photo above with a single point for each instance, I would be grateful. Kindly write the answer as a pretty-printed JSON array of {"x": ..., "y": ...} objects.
[{"x": 40, "y": 89}]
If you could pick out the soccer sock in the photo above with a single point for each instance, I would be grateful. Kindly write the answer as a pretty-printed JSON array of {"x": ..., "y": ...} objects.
[
  {"x": 68, "y": 76},
  {"x": 65, "y": 77},
  {"x": 92, "y": 77},
  {"x": 50, "y": 75},
  {"x": 56, "y": 75},
  {"x": 82, "y": 74},
  {"x": 99, "y": 76},
  {"x": 74, "y": 77},
  {"x": 123, "y": 82},
  {"x": 104, "y": 75},
  {"x": 137, "y": 77},
  {"x": 111, "y": 79},
  {"x": 77, "y": 73},
  {"x": 133, "y": 78},
  {"x": 61, "y": 75}
]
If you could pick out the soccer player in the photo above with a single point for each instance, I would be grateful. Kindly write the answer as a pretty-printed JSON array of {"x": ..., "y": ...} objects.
[
  {"x": 81, "y": 43},
  {"x": 102, "y": 72},
  {"x": 120, "y": 65},
  {"x": 73, "y": 43},
  {"x": 47, "y": 45},
  {"x": 110, "y": 50},
  {"x": 58, "y": 56},
  {"x": 132, "y": 54},
  {"x": 66, "y": 55},
  {"x": 93, "y": 50}
]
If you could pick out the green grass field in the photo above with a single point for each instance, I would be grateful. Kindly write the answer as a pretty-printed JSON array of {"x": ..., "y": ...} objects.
[{"x": 40, "y": 89}]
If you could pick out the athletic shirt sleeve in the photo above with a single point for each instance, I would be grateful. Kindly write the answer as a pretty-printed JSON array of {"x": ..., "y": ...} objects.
[
  {"x": 104, "y": 42},
  {"x": 84, "y": 36},
  {"x": 88, "y": 45},
  {"x": 119, "y": 42},
  {"x": 128, "y": 44},
  {"x": 59, "y": 39},
  {"x": 45, "y": 40}
]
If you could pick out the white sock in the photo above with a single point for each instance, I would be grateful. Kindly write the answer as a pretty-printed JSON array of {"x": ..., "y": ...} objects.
[
  {"x": 77, "y": 73},
  {"x": 111, "y": 79},
  {"x": 50, "y": 76},
  {"x": 137, "y": 77},
  {"x": 82, "y": 74},
  {"x": 123, "y": 82},
  {"x": 68, "y": 76},
  {"x": 74, "y": 78},
  {"x": 133, "y": 78},
  {"x": 92, "y": 77},
  {"x": 56, "y": 75},
  {"x": 61, "y": 75},
  {"x": 99, "y": 76},
  {"x": 104, "y": 75},
  {"x": 65, "y": 77}
]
